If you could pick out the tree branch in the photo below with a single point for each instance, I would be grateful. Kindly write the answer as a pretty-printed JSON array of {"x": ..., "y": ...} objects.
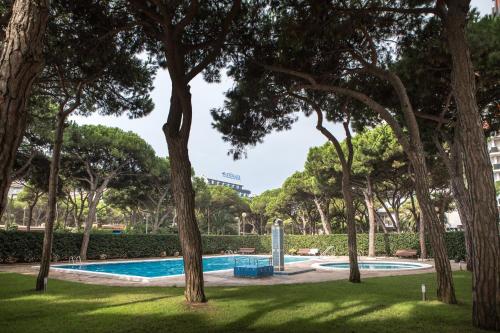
[
  {"x": 219, "y": 41},
  {"x": 190, "y": 15}
]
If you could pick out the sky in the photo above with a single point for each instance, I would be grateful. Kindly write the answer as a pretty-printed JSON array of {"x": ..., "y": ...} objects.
[{"x": 267, "y": 165}]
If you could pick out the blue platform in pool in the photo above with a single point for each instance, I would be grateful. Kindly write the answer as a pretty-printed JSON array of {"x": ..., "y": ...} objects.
[
  {"x": 253, "y": 267},
  {"x": 162, "y": 268}
]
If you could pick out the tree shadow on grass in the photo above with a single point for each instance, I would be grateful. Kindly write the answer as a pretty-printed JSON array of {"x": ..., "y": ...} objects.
[{"x": 377, "y": 305}]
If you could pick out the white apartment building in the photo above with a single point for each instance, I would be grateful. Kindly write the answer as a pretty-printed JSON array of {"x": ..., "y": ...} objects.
[{"x": 494, "y": 150}]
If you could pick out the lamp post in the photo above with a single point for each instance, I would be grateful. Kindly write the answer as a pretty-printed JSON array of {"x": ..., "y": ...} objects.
[
  {"x": 243, "y": 216},
  {"x": 237, "y": 219}
]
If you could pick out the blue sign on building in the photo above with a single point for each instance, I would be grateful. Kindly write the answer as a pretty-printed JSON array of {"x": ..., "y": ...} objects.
[{"x": 231, "y": 176}]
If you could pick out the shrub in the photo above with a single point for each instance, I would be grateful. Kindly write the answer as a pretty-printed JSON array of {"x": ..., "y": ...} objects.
[{"x": 16, "y": 246}]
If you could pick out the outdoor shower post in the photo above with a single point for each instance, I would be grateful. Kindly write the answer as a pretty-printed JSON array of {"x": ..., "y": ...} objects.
[{"x": 277, "y": 245}]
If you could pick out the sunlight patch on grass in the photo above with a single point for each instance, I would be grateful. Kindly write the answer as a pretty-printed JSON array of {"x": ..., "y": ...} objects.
[{"x": 376, "y": 305}]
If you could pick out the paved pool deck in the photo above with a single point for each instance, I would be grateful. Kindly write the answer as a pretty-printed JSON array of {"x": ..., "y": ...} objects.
[{"x": 226, "y": 278}]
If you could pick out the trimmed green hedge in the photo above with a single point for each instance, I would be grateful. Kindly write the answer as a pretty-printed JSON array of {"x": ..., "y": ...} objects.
[{"x": 16, "y": 246}]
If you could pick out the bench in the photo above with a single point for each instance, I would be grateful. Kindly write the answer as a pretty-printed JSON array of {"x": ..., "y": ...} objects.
[
  {"x": 303, "y": 252},
  {"x": 406, "y": 253},
  {"x": 246, "y": 250},
  {"x": 308, "y": 252}
]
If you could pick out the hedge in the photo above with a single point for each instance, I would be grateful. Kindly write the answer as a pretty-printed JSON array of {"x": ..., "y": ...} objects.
[{"x": 16, "y": 246}]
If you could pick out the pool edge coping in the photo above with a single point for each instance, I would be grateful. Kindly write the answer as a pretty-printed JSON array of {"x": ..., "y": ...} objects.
[
  {"x": 321, "y": 266},
  {"x": 136, "y": 278}
]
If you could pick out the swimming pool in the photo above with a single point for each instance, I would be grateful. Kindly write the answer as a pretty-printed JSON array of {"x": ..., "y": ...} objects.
[
  {"x": 158, "y": 268},
  {"x": 374, "y": 265}
]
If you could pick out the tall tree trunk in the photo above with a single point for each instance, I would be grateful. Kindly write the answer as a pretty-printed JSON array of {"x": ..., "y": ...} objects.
[
  {"x": 478, "y": 171},
  {"x": 421, "y": 237},
  {"x": 396, "y": 219},
  {"x": 346, "y": 163},
  {"x": 368, "y": 194},
  {"x": 30, "y": 217},
  {"x": 465, "y": 213},
  {"x": 419, "y": 225},
  {"x": 454, "y": 164},
  {"x": 81, "y": 208},
  {"x": 30, "y": 211},
  {"x": 93, "y": 199},
  {"x": 186, "y": 220},
  {"x": 52, "y": 202},
  {"x": 21, "y": 61},
  {"x": 412, "y": 144},
  {"x": 381, "y": 223},
  {"x": 413, "y": 147},
  {"x": 312, "y": 222},
  {"x": 177, "y": 135},
  {"x": 304, "y": 224},
  {"x": 208, "y": 221},
  {"x": 354, "y": 275},
  {"x": 445, "y": 288},
  {"x": 327, "y": 228},
  {"x": 388, "y": 212},
  {"x": 66, "y": 213}
]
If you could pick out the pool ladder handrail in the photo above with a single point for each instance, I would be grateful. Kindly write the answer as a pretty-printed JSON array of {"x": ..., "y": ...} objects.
[
  {"x": 327, "y": 250},
  {"x": 75, "y": 259}
]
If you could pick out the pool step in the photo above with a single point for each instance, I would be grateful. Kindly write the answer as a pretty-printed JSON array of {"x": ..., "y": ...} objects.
[{"x": 294, "y": 271}]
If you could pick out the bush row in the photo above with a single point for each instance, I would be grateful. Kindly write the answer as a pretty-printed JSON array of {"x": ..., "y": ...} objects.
[{"x": 16, "y": 246}]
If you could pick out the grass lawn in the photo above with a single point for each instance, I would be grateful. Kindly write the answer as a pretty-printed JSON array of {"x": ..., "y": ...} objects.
[{"x": 389, "y": 304}]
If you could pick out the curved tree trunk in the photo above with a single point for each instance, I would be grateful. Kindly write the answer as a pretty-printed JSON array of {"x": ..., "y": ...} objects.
[
  {"x": 412, "y": 144},
  {"x": 381, "y": 224},
  {"x": 21, "y": 61},
  {"x": 445, "y": 288},
  {"x": 182, "y": 188},
  {"x": 346, "y": 163},
  {"x": 30, "y": 212},
  {"x": 52, "y": 203},
  {"x": 368, "y": 194},
  {"x": 413, "y": 147},
  {"x": 304, "y": 224},
  {"x": 186, "y": 220},
  {"x": 388, "y": 212},
  {"x": 327, "y": 228},
  {"x": 94, "y": 197},
  {"x": 479, "y": 174},
  {"x": 454, "y": 164},
  {"x": 87, "y": 229}
]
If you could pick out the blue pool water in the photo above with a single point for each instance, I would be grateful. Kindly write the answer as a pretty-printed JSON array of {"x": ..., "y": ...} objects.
[
  {"x": 158, "y": 268},
  {"x": 375, "y": 265}
]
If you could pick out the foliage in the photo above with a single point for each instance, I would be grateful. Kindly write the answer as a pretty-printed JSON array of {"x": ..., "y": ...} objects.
[
  {"x": 106, "y": 151},
  {"x": 147, "y": 192},
  {"x": 26, "y": 246},
  {"x": 92, "y": 63},
  {"x": 219, "y": 209}
]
